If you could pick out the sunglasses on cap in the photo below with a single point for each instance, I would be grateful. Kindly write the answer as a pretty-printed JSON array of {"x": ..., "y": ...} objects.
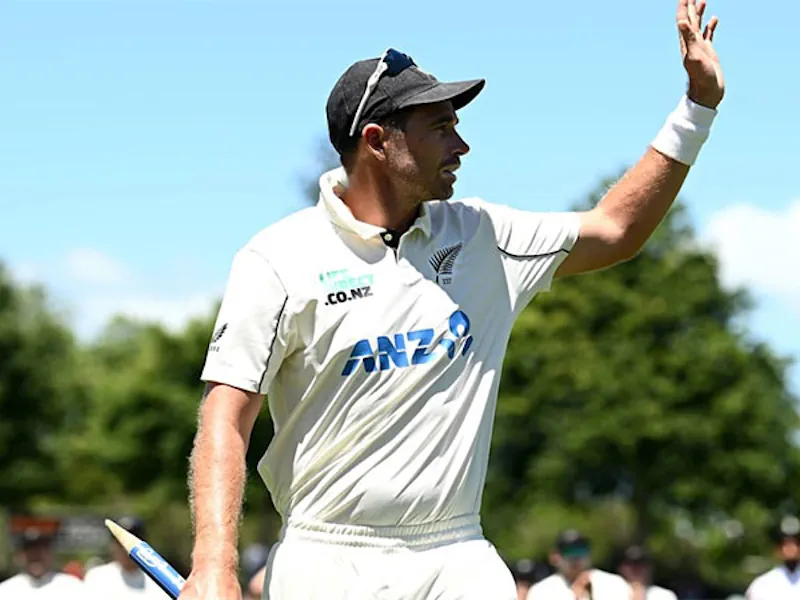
[{"x": 392, "y": 62}]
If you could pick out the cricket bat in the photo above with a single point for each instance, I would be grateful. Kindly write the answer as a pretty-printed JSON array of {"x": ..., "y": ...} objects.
[{"x": 151, "y": 562}]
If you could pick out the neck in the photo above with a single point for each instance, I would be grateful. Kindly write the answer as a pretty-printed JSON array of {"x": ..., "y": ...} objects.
[{"x": 372, "y": 199}]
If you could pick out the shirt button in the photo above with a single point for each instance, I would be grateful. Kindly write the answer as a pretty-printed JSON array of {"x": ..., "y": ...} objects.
[{"x": 388, "y": 237}]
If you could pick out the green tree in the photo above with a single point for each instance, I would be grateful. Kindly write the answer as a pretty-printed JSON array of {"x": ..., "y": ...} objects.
[
  {"x": 131, "y": 453},
  {"x": 639, "y": 385},
  {"x": 39, "y": 395}
]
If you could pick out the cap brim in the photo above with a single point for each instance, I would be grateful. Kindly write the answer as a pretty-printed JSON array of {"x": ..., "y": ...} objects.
[
  {"x": 574, "y": 551},
  {"x": 460, "y": 93}
]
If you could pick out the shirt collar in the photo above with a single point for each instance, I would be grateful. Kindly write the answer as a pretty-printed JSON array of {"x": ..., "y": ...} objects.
[
  {"x": 340, "y": 214},
  {"x": 792, "y": 576}
]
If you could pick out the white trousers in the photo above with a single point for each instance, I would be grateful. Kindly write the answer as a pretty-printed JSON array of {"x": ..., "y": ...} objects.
[{"x": 445, "y": 561}]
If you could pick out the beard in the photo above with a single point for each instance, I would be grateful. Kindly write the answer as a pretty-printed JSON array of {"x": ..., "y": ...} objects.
[
  {"x": 419, "y": 181},
  {"x": 791, "y": 564}
]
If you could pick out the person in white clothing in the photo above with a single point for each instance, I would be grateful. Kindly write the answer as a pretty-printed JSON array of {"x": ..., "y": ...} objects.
[
  {"x": 254, "y": 570},
  {"x": 38, "y": 579},
  {"x": 783, "y": 581},
  {"x": 637, "y": 569},
  {"x": 575, "y": 577},
  {"x": 376, "y": 323},
  {"x": 122, "y": 578},
  {"x": 524, "y": 572}
]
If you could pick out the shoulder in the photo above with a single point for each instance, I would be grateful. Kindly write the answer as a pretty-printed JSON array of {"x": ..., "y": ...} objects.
[
  {"x": 610, "y": 579},
  {"x": 463, "y": 208},
  {"x": 548, "y": 582},
  {"x": 659, "y": 593},
  {"x": 762, "y": 581},
  {"x": 462, "y": 218},
  {"x": 65, "y": 581},
  {"x": 300, "y": 225},
  {"x": 99, "y": 572},
  {"x": 12, "y": 583}
]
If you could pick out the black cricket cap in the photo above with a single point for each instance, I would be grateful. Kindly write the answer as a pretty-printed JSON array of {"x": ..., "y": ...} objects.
[
  {"x": 571, "y": 543},
  {"x": 34, "y": 536},
  {"x": 636, "y": 555},
  {"x": 132, "y": 524},
  {"x": 524, "y": 570},
  {"x": 402, "y": 85}
]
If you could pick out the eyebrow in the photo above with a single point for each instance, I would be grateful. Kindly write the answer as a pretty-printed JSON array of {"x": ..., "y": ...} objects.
[{"x": 444, "y": 120}]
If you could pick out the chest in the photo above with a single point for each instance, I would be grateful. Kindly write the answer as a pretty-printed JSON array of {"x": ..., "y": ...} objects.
[{"x": 404, "y": 306}]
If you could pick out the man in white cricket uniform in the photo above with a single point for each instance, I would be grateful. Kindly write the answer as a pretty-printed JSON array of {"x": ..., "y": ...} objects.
[
  {"x": 783, "y": 581},
  {"x": 637, "y": 569},
  {"x": 383, "y": 419},
  {"x": 122, "y": 578},
  {"x": 376, "y": 323},
  {"x": 38, "y": 579},
  {"x": 575, "y": 577}
]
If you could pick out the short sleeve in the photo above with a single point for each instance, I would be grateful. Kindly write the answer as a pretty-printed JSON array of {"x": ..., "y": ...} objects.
[
  {"x": 533, "y": 245},
  {"x": 248, "y": 345}
]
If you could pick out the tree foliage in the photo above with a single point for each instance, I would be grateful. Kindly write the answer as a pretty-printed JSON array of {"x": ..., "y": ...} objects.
[{"x": 39, "y": 395}]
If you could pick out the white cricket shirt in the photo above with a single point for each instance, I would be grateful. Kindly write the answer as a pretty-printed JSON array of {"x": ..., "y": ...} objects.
[
  {"x": 53, "y": 586},
  {"x": 655, "y": 592},
  {"x": 112, "y": 581},
  {"x": 605, "y": 586},
  {"x": 381, "y": 366},
  {"x": 776, "y": 584}
]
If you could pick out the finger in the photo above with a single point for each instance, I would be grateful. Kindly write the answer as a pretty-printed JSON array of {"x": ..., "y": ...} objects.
[
  {"x": 683, "y": 10},
  {"x": 693, "y": 18},
  {"x": 701, "y": 9},
  {"x": 708, "y": 35}
]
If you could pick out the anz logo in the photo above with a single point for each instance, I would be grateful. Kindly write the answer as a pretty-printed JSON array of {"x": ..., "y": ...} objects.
[{"x": 412, "y": 348}]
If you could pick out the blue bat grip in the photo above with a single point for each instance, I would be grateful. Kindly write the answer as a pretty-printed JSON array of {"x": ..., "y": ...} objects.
[{"x": 158, "y": 569}]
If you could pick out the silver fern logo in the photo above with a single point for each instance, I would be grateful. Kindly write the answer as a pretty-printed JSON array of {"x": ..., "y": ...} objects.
[{"x": 443, "y": 262}]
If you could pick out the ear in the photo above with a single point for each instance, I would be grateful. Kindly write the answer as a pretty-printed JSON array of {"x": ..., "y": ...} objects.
[{"x": 374, "y": 137}]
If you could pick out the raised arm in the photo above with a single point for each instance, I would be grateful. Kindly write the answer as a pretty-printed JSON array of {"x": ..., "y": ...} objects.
[
  {"x": 216, "y": 483},
  {"x": 617, "y": 228}
]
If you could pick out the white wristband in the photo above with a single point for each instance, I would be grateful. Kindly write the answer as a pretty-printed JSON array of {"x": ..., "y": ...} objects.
[{"x": 685, "y": 131}]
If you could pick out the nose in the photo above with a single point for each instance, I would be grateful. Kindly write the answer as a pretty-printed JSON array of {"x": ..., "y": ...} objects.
[{"x": 461, "y": 146}]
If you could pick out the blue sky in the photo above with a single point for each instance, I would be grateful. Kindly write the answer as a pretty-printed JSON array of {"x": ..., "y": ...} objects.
[{"x": 141, "y": 143}]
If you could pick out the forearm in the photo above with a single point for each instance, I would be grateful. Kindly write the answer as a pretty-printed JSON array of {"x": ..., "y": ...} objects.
[
  {"x": 216, "y": 483},
  {"x": 641, "y": 199}
]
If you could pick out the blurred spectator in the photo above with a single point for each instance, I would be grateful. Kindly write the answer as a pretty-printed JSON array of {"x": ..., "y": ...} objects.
[
  {"x": 38, "y": 578},
  {"x": 254, "y": 560},
  {"x": 524, "y": 572},
  {"x": 782, "y": 582},
  {"x": 74, "y": 568},
  {"x": 255, "y": 584},
  {"x": 122, "y": 578},
  {"x": 637, "y": 569},
  {"x": 575, "y": 578}
]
